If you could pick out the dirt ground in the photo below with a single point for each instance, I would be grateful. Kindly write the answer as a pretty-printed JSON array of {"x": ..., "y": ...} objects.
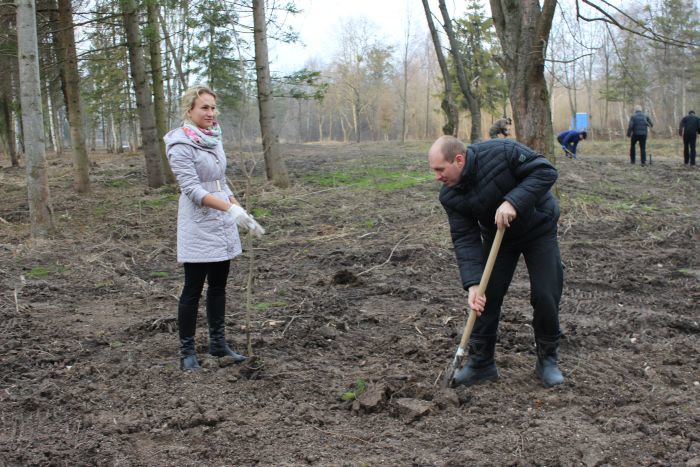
[{"x": 355, "y": 287}]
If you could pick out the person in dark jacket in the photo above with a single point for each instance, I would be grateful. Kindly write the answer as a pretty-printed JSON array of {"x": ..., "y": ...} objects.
[
  {"x": 689, "y": 129},
  {"x": 569, "y": 141},
  {"x": 637, "y": 130},
  {"x": 496, "y": 183},
  {"x": 500, "y": 127}
]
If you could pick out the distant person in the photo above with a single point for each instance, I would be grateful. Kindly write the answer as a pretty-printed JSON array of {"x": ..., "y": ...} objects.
[
  {"x": 500, "y": 127},
  {"x": 495, "y": 184},
  {"x": 207, "y": 219},
  {"x": 569, "y": 141},
  {"x": 689, "y": 129},
  {"x": 637, "y": 130}
]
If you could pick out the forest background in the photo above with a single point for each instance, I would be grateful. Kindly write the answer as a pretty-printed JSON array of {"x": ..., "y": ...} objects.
[{"x": 591, "y": 67}]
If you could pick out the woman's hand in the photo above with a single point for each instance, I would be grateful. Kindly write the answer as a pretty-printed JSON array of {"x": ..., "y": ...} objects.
[{"x": 243, "y": 219}]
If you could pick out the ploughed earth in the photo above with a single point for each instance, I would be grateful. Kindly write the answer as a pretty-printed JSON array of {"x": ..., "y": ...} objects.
[{"x": 354, "y": 312}]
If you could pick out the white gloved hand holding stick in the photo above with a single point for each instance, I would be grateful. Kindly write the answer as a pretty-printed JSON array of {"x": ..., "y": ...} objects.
[{"x": 243, "y": 219}]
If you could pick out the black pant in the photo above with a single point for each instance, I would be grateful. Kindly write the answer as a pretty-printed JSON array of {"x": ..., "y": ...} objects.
[
  {"x": 216, "y": 275},
  {"x": 544, "y": 266},
  {"x": 689, "y": 149},
  {"x": 642, "y": 147}
]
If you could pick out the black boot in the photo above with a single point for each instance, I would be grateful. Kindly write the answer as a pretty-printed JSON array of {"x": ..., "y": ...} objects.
[
  {"x": 217, "y": 331},
  {"x": 546, "y": 367},
  {"x": 188, "y": 357},
  {"x": 480, "y": 366}
]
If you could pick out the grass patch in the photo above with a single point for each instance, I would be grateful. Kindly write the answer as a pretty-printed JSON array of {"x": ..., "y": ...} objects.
[
  {"x": 40, "y": 272},
  {"x": 357, "y": 391},
  {"x": 160, "y": 201},
  {"x": 160, "y": 274},
  {"x": 371, "y": 178},
  {"x": 260, "y": 213}
]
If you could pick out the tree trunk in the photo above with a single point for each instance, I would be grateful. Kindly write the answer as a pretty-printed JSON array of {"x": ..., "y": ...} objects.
[
  {"x": 69, "y": 69},
  {"x": 275, "y": 168},
  {"x": 356, "y": 114},
  {"x": 176, "y": 60},
  {"x": 40, "y": 212},
  {"x": 404, "y": 97},
  {"x": 448, "y": 103},
  {"x": 8, "y": 129},
  {"x": 56, "y": 115},
  {"x": 158, "y": 89},
  {"x": 473, "y": 101},
  {"x": 523, "y": 32},
  {"x": 142, "y": 89},
  {"x": 46, "y": 107}
]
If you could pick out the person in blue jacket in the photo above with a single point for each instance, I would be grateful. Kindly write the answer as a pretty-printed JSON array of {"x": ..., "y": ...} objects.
[
  {"x": 569, "y": 140},
  {"x": 497, "y": 183}
]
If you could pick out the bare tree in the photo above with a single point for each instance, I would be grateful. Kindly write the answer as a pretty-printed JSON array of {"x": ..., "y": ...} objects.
[
  {"x": 40, "y": 212},
  {"x": 473, "y": 101},
  {"x": 71, "y": 77},
  {"x": 158, "y": 88},
  {"x": 523, "y": 29},
  {"x": 149, "y": 134},
  {"x": 275, "y": 168},
  {"x": 448, "y": 102}
]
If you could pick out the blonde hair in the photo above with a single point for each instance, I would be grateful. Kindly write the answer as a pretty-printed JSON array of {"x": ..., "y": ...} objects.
[{"x": 191, "y": 95}]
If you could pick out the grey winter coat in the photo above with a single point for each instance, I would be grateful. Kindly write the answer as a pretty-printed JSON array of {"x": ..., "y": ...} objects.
[{"x": 204, "y": 235}]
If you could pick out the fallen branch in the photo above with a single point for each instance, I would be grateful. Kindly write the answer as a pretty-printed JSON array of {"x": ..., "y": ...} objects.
[
  {"x": 387, "y": 260},
  {"x": 16, "y": 301}
]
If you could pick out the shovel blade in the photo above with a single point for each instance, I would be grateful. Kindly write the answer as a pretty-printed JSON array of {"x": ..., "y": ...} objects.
[{"x": 449, "y": 373}]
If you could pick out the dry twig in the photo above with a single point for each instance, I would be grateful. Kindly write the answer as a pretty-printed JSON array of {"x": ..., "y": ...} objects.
[{"x": 387, "y": 260}]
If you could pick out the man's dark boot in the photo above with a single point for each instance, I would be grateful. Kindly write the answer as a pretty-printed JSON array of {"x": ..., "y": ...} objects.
[
  {"x": 217, "y": 331},
  {"x": 546, "y": 367},
  {"x": 188, "y": 357},
  {"x": 480, "y": 366}
]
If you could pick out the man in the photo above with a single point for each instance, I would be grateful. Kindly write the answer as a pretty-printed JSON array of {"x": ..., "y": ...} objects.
[
  {"x": 689, "y": 129},
  {"x": 502, "y": 183},
  {"x": 569, "y": 141},
  {"x": 500, "y": 127},
  {"x": 637, "y": 130}
]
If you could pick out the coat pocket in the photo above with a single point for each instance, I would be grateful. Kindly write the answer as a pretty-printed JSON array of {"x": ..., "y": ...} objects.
[{"x": 202, "y": 214}]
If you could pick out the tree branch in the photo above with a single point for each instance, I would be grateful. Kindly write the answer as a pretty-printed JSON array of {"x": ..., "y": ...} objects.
[{"x": 645, "y": 32}]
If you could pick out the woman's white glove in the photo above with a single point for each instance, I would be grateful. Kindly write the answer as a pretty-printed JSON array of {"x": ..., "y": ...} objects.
[{"x": 243, "y": 219}]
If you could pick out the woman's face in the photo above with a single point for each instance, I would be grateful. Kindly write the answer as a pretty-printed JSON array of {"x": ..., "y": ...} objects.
[{"x": 203, "y": 111}]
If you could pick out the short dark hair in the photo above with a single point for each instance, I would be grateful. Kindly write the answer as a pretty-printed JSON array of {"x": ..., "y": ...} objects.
[
  {"x": 692, "y": 112},
  {"x": 450, "y": 147},
  {"x": 584, "y": 134}
]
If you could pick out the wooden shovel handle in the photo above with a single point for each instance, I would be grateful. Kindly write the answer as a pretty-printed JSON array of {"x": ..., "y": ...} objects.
[{"x": 482, "y": 284}]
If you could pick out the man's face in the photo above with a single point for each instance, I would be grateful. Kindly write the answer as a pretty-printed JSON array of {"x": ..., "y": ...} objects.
[{"x": 447, "y": 173}]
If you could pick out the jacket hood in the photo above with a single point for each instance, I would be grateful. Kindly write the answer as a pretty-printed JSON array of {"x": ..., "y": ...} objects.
[{"x": 178, "y": 136}]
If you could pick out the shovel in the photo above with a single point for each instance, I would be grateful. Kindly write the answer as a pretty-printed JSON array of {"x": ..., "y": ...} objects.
[{"x": 450, "y": 371}]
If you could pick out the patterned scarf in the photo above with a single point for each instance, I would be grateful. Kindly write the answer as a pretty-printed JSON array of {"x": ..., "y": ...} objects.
[{"x": 207, "y": 138}]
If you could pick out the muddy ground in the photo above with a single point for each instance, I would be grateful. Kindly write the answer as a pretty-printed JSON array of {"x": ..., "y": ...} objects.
[{"x": 355, "y": 283}]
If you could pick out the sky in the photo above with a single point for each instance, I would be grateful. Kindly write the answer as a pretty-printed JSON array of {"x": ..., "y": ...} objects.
[
  {"x": 320, "y": 19},
  {"x": 319, "y": 22}
]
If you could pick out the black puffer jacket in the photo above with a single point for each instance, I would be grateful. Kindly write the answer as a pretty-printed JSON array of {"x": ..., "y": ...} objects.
[
  {"x": 496, "y": 171},
  {"x": 638, "y": 124},
  {"x": 690, "y": 126}
]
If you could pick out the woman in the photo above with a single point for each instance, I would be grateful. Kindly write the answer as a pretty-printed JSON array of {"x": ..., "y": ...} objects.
[{"x": 207, "y": 220}]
